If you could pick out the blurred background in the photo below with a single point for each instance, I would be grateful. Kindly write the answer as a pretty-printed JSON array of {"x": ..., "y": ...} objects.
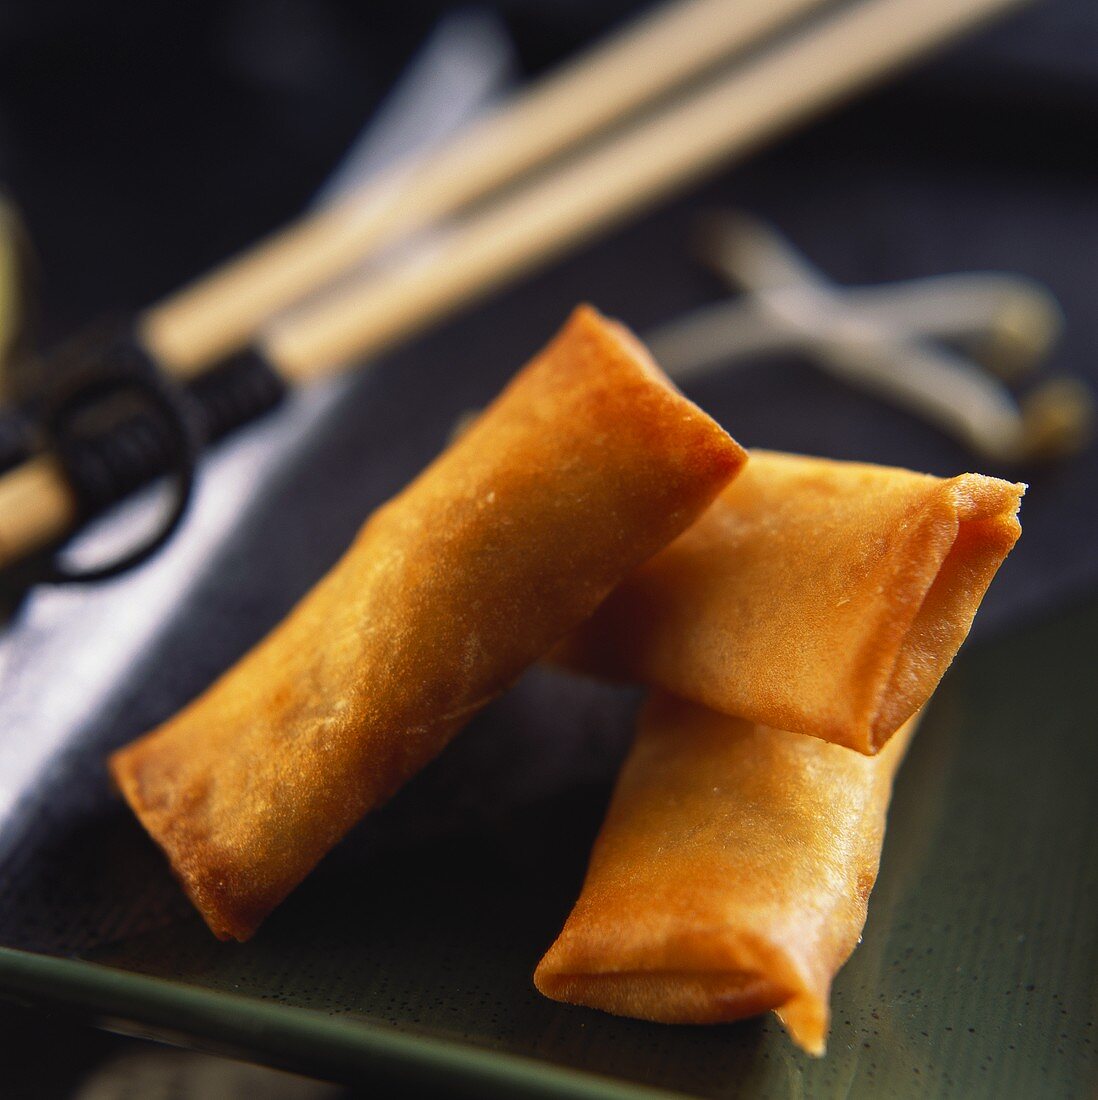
[{"x": 143, "y": 143}]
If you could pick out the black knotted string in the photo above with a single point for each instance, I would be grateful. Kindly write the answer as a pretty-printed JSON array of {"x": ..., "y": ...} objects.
[{"x": 115, "y": 422}]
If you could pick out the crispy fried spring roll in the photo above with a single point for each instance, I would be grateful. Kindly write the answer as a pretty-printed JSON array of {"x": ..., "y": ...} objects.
[
  {"x": 588, "y": 463},
  {"x": 820, "y": 597},
  {"x": 730, "y": 877}
]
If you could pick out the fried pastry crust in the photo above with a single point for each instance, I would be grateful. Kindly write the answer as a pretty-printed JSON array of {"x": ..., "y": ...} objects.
[
  {"x": 587, "y": 464},
  {"x": 815, "y": 596},
  {"x": 730, "y": 877}
]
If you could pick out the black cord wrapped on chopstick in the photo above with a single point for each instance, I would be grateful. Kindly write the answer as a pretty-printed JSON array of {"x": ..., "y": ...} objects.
[{"x": 114, "y": 421}]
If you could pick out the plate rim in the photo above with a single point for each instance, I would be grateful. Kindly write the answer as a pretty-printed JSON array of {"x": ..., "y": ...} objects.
[{"x": 304, "y": 1040}]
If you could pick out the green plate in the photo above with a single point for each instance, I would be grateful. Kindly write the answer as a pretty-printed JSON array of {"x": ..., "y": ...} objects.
[{"x": 977, "y": 977}]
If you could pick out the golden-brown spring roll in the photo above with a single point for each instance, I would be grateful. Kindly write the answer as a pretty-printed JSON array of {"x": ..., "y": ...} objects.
[
  {"x": 588, "y": 463},
  {"x": 821, "y": 597},
  {"x": 730, "y": 877}
]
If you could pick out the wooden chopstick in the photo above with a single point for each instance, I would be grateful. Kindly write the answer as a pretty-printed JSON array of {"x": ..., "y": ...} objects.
[
  {"x": 728, "y": 117},
  {"x": 674, "y": 44}
]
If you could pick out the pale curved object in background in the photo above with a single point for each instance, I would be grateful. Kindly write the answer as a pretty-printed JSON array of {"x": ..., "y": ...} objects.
[
  {"x": 821, "y": 597},
  {"x": 587, "y": 464},
  {"x": 730, "y": 877}
]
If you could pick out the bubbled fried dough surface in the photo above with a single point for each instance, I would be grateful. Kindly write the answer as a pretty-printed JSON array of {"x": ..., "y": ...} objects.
[
  {"x": 731, "y": 875},
  {"x": 587, "y": 464},
  {"x": 815, "y": 596}
]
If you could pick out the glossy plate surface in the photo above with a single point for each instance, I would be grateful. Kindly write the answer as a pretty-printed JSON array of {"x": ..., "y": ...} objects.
[{"x": 408, "y": 955}]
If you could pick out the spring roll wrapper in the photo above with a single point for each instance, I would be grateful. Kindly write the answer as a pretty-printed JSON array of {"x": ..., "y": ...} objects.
[
  {"x": 815, "y": 596},
  {"x": 588, "y": 463},
  {"x": 730, "y": 877}
]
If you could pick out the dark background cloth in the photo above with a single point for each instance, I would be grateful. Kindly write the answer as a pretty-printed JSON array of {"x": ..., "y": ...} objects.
[{"x": 145, "y": 142}]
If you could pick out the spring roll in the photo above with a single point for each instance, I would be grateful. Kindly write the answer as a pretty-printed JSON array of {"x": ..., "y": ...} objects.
[
  {"x": 821, "y": 597},
  {"x": 588, "y": 463},
  {"x": 730, "y": 877}
]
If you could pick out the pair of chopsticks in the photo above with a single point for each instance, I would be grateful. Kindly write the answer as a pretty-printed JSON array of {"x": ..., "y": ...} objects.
[{"x": 710, "y": 115}]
